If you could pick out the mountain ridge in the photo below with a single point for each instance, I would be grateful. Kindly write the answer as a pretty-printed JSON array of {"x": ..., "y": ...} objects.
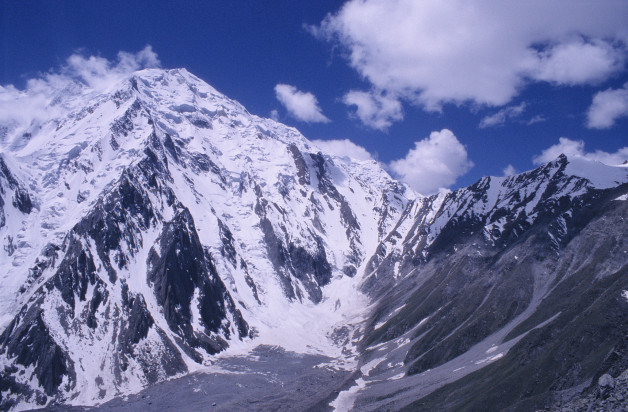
[{"x": 156, "y": 224}]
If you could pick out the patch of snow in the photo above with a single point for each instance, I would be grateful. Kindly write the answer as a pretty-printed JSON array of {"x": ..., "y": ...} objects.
[
  {"x": 600, "y": 175},
  {"x": 392, "y": 314},
  {"x": 345, "y": 399},
  {"x": 367, "y": 368},
  {"x": 490, "y": 359}
]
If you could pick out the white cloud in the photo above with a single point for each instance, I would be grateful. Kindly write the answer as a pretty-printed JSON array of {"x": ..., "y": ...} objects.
[
  {"x": 500, "y": 117},
  {"x": 577, "y": 62},
  {"x": 536, "y": 119},
  {"x": 23, "y": 109},
  {"x": 19, "y": 107},
  {"x": 375, "y": 110},
  {"x": 343, "y": 148},
  {"x": 575, "y": 148},
  {"x": 432, "y": 52},
  {"x": 301, "y": 105},
  {"x": 145, "y": 58},
  {"x": 433, "y": 163},
  {"x": 98, "y": 72},
  {"x": 607, "y": 107},
  {"x": 509, "y": 170},
  {"x": 274, "y": 114}
]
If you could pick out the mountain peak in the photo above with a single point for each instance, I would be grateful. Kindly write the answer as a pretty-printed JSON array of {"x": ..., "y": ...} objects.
[{"x": 161, "y": 205}]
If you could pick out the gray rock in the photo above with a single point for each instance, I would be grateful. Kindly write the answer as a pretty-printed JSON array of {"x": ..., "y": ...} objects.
[{"x": 606, "y": 381}]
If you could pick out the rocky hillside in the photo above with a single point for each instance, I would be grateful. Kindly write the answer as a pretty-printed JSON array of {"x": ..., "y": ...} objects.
[{"x": 510, "y": 293}]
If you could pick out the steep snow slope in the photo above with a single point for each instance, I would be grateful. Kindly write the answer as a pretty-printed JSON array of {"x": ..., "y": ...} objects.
[{"x": 167, "y": 223}]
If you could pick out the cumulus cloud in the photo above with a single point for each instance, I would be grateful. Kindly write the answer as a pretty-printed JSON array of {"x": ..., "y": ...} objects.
[
  {"x": 500, "y": 117},
  {"x": 375, "y": 110},
  {"x": 608, "y": 106},
  {"x": 343, "y": 148},
  {"x": 433, "y": 163},
  {"x": 94, "y": 71},
  {"x": 509, "y": 170},
  {"x": 19, "y": 107},
  {"x": 22, "y": 109},
  {"x": 577, "y": 62},
  {"x": 301, "y": 105},
  {"x": 432, "y": 52},
  {"x": 575, "y": 148}
]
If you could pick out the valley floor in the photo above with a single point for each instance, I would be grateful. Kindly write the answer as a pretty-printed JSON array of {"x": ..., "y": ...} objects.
[{"x": 267, "y": 379}]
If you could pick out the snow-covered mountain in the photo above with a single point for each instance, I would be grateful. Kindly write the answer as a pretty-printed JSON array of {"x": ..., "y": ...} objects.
[{"x": 151, "y": 226}]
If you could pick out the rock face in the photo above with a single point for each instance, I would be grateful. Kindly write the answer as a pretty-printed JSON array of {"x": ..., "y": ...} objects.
[
  {"x": 152, "y": 226},
  {"x": 610, "y": 394}
]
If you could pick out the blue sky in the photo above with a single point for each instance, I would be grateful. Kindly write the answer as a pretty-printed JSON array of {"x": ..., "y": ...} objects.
[{"x": 442, "y": 93}]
